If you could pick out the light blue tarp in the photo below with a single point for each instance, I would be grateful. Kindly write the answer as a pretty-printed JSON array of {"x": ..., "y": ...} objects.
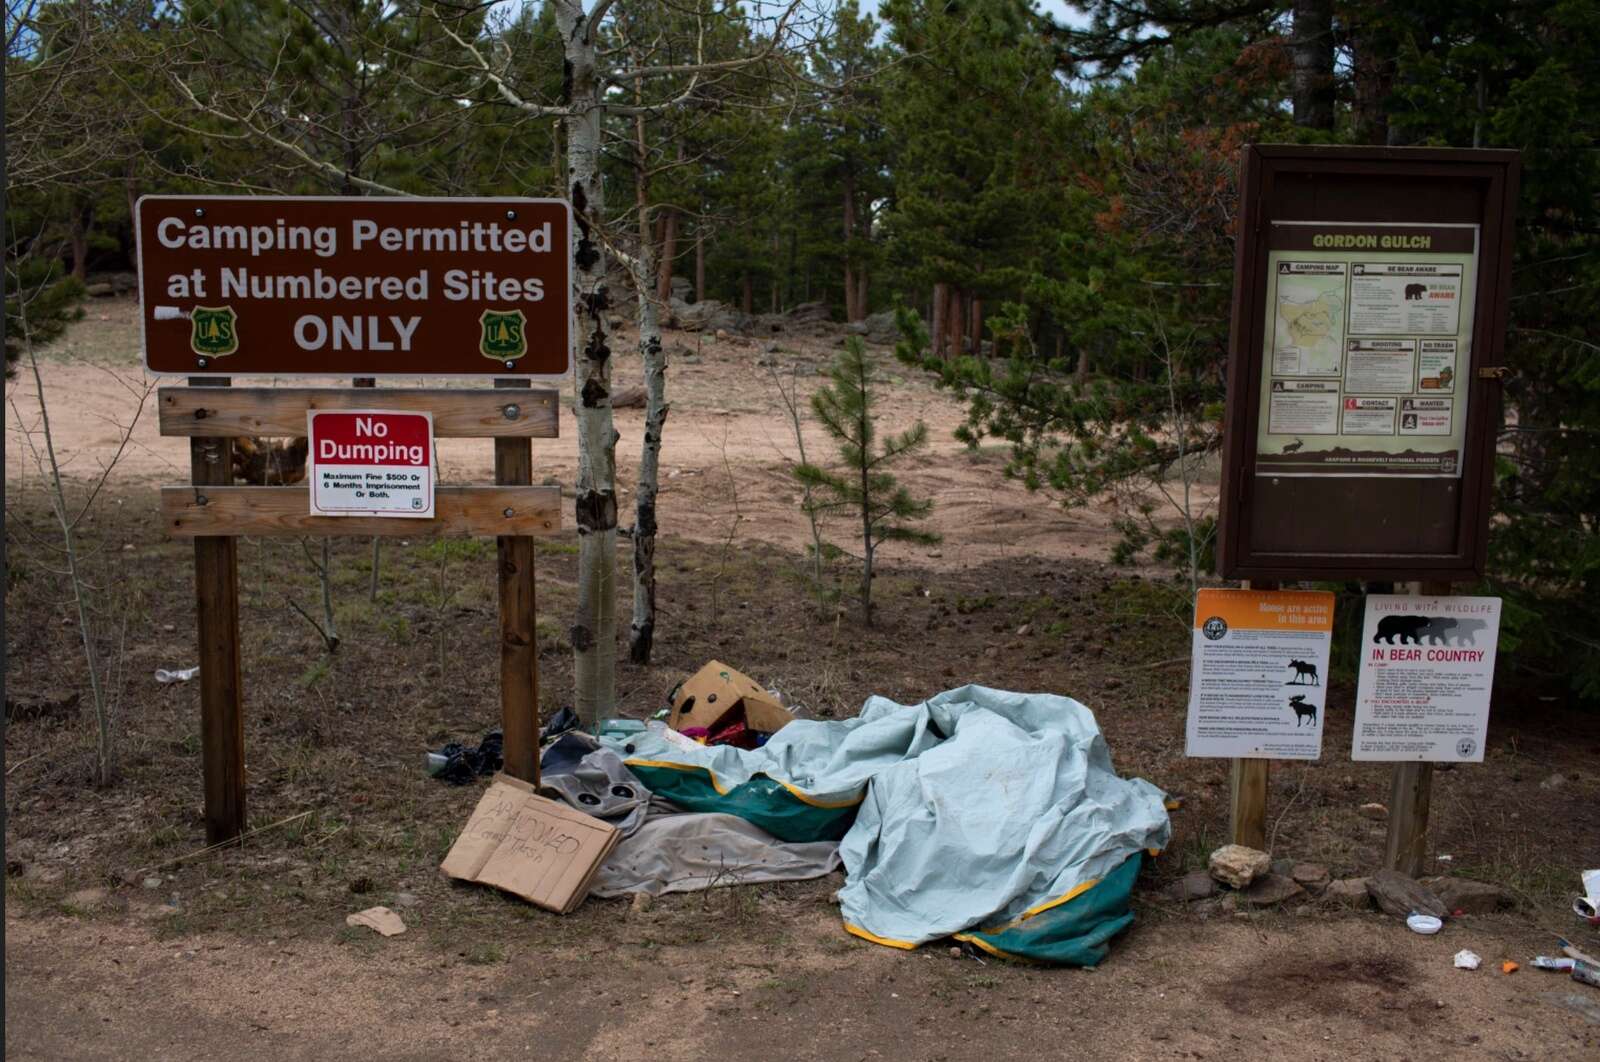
[{"x": 977, "y": 810}]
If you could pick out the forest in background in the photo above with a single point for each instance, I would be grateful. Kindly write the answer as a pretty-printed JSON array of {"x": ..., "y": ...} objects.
[{"x": 1050, "y": 206}]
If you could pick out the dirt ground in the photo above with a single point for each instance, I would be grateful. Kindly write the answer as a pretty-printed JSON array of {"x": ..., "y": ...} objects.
[
  {"x": 123, "y": 940},
  {"x": 726, "y": 450}
]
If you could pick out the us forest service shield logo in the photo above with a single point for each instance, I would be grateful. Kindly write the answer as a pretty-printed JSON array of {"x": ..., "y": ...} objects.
[
  {"x": 214, "y": 331},
  {"x": 503, "y": 336}
]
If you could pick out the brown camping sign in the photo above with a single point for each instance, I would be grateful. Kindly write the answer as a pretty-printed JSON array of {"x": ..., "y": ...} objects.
[{"x": 308, "y": 286}]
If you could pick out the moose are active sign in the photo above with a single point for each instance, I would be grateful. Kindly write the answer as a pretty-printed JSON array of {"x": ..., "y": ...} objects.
[
  {"x": 1258, "y": 662},
  {"x": 293, "y": 286}
]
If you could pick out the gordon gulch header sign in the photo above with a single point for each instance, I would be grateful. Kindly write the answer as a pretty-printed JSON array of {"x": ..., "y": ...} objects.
[{"x": 289, "y": 286}]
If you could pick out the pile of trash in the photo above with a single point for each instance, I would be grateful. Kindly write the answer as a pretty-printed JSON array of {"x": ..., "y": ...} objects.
[{"x": 992, "y": 817}]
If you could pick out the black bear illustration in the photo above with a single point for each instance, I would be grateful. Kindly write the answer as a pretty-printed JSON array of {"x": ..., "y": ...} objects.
[
  {"x": 1416, "y": 291},
  {"x": 1407, "y": 627},
  {"x": 1466, "y": 632},
  {"x": 1437, "y": 631}
]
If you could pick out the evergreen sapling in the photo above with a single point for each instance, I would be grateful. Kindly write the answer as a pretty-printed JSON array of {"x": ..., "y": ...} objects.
[{"x": 863, "y": 486}]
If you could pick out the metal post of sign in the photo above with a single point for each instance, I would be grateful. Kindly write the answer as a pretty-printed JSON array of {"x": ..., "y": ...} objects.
[{"x": 1410, "y": 792}]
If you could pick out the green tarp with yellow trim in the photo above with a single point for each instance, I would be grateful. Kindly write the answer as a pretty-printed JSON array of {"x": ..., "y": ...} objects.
[{"x": 992, "y": 816}]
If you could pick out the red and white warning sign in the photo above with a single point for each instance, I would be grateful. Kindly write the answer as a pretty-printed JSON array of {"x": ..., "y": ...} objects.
[{"x": 371, "y": 462}]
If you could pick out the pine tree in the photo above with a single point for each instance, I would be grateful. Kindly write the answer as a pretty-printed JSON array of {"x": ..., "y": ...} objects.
[{"x": 864, "y": 487}]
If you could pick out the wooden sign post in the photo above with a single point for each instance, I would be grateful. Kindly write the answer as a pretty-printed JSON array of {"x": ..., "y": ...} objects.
[
  {"x": 1364, "y": 372},
  {"x": 214, "y": 513},
  {"x": 1247, "y": 792}
]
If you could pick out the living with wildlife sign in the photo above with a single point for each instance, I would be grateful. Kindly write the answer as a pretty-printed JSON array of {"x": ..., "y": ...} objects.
[
  {"x": 1258, "y": 668},
  {"x": 304, "y": 286},
  {"x": 1427, "y": 667}
]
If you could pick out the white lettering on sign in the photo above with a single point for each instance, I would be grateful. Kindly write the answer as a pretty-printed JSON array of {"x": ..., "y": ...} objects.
[
  {"x": 179, "y": 235},
  {"x": 355, "y": 333},
  {"x": 371, "y": 463}
]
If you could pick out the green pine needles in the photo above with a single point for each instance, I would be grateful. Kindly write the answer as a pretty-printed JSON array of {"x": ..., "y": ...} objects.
[{"x": 863, "y": 488}]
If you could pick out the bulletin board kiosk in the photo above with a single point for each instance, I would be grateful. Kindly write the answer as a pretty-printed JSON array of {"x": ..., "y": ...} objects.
[{"x": 1364, "y": 400}]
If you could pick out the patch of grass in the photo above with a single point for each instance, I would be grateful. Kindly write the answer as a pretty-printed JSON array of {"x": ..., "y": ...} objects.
[
  {"x": 555, "y": 547},
  {"x": 484, "y": 953},
  {"x": 395, "y": 628},
  {"x": 319, "y": 670},
  {"x": 446, "y": 550}
]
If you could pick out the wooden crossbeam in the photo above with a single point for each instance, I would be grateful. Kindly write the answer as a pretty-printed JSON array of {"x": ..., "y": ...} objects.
[
  {"x": 461, "y": 512},
  {"x": 281, "y": 411}
]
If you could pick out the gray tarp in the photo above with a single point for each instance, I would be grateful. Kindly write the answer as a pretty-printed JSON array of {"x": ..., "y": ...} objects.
[{"x": 666, "y": 850}]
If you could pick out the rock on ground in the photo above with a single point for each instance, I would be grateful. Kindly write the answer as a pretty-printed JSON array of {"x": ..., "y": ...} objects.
[
  {"x": 1398, "y": 895},
  {"x": 1195, "y": 885},
  {"x": 1472, "y": 897},
  {"x": 1236, "y": 865},
  {"x": 1271, "y": 889},
  {"x": 1314, "y": 877},
  {"x": 1351, "y": 892}
]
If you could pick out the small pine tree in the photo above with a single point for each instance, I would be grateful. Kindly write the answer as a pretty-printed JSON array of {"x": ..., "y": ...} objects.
[{"x": 863, "y": 487}]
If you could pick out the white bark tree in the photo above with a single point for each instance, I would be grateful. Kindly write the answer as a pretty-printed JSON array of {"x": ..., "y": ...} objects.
[
  {"x": 599, "y": 81},
  {"x": 602, "y": 81}
]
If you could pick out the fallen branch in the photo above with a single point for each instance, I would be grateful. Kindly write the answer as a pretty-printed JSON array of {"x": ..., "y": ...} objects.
[{"x": 239, "y": 840}]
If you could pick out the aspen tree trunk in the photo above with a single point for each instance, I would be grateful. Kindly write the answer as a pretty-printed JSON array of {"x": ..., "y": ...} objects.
[
  {"x": 594, "y": 628},
  {"x": 641, "y": 636},
  {"x": 861, "y": 291}
]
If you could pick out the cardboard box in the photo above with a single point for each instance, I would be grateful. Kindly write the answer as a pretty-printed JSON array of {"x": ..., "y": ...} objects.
[
  {"x": 717, "y": 691},
  {"x": 538, "y": 849}
]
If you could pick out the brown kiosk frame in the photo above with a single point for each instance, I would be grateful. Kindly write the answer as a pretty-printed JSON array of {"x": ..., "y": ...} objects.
[
  {"x": 1424, "y": 532},
  {"x": 1371, "y": 527},
  {"x": 213, "y": 512}
]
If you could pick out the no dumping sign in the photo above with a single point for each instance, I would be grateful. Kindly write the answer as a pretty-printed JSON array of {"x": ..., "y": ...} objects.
[{"x": 370, "y": 462}]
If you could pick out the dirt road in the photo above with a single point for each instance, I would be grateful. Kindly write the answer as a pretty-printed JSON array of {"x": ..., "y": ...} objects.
[
  {"x": 1341, "y": 987},
  {"x": 726, "y": 451}
]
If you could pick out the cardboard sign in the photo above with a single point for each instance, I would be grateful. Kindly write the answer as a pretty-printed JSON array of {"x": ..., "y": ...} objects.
[
  {"x": 355, "y": 286},
  {"x": 1256, "y": 684},
  {"x": 717, "y": 691},
  {"x": 370, "y": 462},
  {"x": 538, "y": 849},
  {"x": 1427, "y": 666}
]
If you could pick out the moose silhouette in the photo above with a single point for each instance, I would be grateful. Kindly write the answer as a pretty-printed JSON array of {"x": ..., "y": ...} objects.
[
  {"x": 1290, "y": 448},
  {"x": 1303, "y": 671},
  {"x": 1302, "y": 710}
]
